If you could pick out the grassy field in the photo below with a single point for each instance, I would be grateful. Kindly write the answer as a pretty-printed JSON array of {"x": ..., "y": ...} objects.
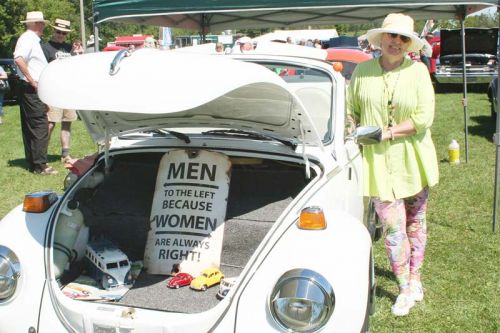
[{"x": 461, "y": 273}]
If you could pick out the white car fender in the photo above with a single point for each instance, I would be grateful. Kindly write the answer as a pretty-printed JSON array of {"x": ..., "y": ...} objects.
[
  {"x": 340, "y": 253},
  {"x": 24, "y": 234}
]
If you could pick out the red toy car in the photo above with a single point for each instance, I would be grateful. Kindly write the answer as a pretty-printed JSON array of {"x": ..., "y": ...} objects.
[{"x": 180, "y": 280}]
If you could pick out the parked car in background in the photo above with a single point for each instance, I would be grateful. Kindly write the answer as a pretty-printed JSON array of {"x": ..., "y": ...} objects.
[
  {"x": 349, "y": 57},
  {"x": 493, "y": 96},
  {"x": 480, "y": 58},
  {"x": 13, "y": 77},
  {"x": 292, "y": 203}
]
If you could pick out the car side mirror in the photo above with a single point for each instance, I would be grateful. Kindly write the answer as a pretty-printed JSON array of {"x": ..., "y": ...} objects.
[{"x": 367, "y": 135}]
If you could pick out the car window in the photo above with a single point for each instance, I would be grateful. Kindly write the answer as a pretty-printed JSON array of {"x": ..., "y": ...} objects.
[
  {"x": 347, "y": 69},
  {"x": 123, "y": 263},
  {"x": 315, "y": 88},
  {"x": 112, "y": 265}
]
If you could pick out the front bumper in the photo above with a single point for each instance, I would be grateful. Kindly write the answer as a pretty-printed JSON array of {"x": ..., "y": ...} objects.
[{"x": 455, "y": 76}]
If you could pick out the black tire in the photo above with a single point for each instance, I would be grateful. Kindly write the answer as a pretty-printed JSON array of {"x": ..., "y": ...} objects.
[
  {"x": 373, "y": 223},
  {"x": 370, "y": 304}
]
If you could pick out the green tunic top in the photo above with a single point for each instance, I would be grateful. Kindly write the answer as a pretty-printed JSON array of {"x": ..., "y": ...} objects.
[{"x": 399, "y": 168}]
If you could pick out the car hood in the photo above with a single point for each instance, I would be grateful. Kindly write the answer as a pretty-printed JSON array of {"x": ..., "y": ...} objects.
[
  {"x": 165, "y": 89},
  {"x": 477, "y": 40}
]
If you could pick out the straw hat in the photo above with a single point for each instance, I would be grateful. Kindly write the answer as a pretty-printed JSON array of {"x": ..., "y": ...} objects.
[
  {"x": 32, "y": 17},
  {"x": 396, "y": 24},
  {"x": 61, "y": 25}
]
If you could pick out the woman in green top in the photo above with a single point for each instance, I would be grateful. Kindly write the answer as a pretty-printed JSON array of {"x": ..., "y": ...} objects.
[{"x": 396, "y": 94}]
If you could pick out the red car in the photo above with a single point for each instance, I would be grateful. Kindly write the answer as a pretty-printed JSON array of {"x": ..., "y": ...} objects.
[{"x": 180, "y": 280}]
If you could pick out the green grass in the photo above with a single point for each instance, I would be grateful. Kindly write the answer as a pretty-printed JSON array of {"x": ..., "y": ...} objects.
[
  {"x": 461, "y": 273},
  {"x": 15, "y": 179},
  {"x": 461, "y": 270}
]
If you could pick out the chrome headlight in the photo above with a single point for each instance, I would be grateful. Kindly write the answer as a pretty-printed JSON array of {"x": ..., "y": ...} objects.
[
  {"x": 302, "y": 301},
  {"x": 10, "y": 271}
]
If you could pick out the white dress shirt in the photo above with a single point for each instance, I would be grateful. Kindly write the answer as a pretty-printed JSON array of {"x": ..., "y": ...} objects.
[{"x": 28, "y": 47}]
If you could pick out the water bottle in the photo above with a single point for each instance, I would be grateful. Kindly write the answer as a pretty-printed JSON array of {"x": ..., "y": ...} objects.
[{"x": 454, "y": 152}]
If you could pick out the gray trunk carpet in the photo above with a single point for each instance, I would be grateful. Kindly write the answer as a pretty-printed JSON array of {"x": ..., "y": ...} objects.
[{"x": 257, "y": 196}]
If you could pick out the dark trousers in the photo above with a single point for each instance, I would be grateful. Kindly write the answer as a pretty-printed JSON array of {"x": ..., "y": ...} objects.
[{"x": 35, "y": 127}]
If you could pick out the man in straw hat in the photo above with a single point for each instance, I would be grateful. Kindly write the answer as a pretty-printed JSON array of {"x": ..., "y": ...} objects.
[
  {"x": 30, "y": 59},
  {"x": 396, "y": 94},
  {"x": 57, "y": 48}
]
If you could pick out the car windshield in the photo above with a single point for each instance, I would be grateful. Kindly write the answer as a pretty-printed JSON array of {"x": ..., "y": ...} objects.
[{"x": 315, "y": 89}]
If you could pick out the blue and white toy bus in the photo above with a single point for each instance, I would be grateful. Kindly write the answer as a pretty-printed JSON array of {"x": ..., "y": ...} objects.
[{"x": 107, "y": 264}]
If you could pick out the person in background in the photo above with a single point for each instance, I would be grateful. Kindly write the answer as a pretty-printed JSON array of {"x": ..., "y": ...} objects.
[
  {"x": 150, "y": 42},
  {"x": 219, "y": 48},
  {"x": 289, "y": 40},
  {"x": 3, "y": 76},
  {"x": 57, "y": 48},
  {"x": 436, "y": 50},
  {"x": 426, "y": 52},
  {"x": 396, "y": 94},
  {"x": 29, "y": 58},
  {"x": 91, "y": 44},
  {"x": 243, "y": 45},
  {"x": 77, "y": 48}
]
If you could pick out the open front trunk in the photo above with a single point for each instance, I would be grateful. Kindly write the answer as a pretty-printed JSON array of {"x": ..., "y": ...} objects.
[{"x": 260, "y": 191}]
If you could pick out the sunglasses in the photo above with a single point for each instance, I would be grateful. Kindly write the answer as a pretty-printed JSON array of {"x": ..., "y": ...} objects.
[
  {"x": 64, "y": 33},
  {"x": 404, "y": 39}
]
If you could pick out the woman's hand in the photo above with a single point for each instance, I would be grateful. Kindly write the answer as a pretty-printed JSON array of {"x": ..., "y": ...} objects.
[{"x": 403, "y": 129}]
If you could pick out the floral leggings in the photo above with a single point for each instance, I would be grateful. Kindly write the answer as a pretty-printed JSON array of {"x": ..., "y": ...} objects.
[{"x": 405, "y": 234}]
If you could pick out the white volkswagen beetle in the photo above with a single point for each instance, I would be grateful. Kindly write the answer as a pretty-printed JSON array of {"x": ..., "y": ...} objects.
[{"x": 234, "y": 162}]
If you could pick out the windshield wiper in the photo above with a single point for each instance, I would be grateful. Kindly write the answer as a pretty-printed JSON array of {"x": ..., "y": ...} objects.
[
  {"x": 178, "y": 135},
  {"x": 251, "y": 135}
]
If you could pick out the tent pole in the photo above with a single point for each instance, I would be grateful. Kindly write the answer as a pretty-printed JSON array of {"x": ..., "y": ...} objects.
[
  {"x": 464, "y": 76},
  {"x": 497, "y": 162},
  {"x": 496, "y": 141},
  {"x": 82, "y": 25}
]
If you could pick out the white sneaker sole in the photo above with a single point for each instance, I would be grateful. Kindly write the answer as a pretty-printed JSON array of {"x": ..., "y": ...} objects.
[{"x": 402, "y": 312}]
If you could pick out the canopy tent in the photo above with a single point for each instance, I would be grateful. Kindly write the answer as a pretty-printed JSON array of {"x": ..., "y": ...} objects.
[
  {"x": 210, "y": 15},
  {"x": 207, "y": 15}
]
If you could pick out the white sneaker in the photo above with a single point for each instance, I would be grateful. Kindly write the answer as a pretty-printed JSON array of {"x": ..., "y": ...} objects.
[
  {"x": 416, "y": 290},
  {"x": 402, "y": 305}
]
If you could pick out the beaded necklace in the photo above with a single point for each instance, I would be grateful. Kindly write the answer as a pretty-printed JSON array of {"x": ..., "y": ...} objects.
[{"x": 390, "y": 102}]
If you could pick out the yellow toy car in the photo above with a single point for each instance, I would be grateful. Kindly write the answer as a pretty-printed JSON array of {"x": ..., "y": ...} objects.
[{"x": 207, "y": 278}]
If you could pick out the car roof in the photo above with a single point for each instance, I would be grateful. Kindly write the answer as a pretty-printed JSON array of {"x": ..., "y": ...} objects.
[
  {"x": 6, "y": 61},
  {"x": 347, "y": 54}
]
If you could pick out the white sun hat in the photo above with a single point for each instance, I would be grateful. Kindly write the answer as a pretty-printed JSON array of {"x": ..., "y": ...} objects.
[
  {"x": 396, "y": 23},
  {"x": 32, "y": 17}
]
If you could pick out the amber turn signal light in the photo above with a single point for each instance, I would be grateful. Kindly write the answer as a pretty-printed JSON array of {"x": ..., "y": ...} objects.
[
  {"x": 312, "y": 218},
  {"x": 38, "y": 202}
]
